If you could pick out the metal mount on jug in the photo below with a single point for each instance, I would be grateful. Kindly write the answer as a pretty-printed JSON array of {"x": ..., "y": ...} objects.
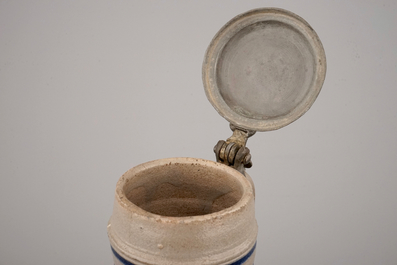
[
  {"x": 263, "y": 70},
  {"x": 233, "y": 152}
]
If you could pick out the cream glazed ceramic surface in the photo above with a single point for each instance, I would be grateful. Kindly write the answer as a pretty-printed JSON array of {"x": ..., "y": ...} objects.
[{"x": 183, "y": 211}]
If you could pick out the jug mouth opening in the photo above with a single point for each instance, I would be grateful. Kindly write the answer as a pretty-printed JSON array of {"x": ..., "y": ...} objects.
[{"x": 182, "y": 187}]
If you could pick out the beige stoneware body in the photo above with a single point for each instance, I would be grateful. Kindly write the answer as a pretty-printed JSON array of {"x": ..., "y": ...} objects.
[{"x": 183, "y": 211}]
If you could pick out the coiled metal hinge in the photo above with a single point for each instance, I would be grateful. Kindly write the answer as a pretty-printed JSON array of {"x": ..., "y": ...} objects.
[{"x": 233, "y": 152}]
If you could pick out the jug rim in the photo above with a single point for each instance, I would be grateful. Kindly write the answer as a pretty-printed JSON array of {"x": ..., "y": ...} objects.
[{"x": 121, "y": 197}]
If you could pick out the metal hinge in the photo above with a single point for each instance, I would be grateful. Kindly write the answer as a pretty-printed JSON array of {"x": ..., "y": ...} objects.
[{"x": 233, "y": 152}]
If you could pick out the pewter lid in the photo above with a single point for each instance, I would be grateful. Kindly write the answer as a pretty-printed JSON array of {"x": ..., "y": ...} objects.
[{"x": 264, "y": 69}]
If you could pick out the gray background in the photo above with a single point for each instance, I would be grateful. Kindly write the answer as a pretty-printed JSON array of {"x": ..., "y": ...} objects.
[{"x": 89, "y": 89}]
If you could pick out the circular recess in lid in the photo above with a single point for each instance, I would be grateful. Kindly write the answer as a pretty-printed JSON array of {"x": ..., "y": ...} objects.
[{"x": 264, "y": 69}]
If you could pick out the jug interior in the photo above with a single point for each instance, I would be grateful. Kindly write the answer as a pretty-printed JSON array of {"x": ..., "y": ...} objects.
[{"x": 177, "y": 189}]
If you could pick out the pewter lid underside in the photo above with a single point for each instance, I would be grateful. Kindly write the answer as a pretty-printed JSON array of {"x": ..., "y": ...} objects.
[{"x": 264, "y": 69}]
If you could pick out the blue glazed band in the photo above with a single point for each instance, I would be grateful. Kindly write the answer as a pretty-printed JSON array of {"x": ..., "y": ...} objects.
[
  {"x": 238, "y": 262},
  {"x": 245, "y": 258},
  {"x": 120, "y": 258}
]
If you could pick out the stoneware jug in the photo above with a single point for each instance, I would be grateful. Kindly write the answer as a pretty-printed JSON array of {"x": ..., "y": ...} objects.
[
  {"x": 262, "y": 71},
  {"x": 183, "y": 211}
]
